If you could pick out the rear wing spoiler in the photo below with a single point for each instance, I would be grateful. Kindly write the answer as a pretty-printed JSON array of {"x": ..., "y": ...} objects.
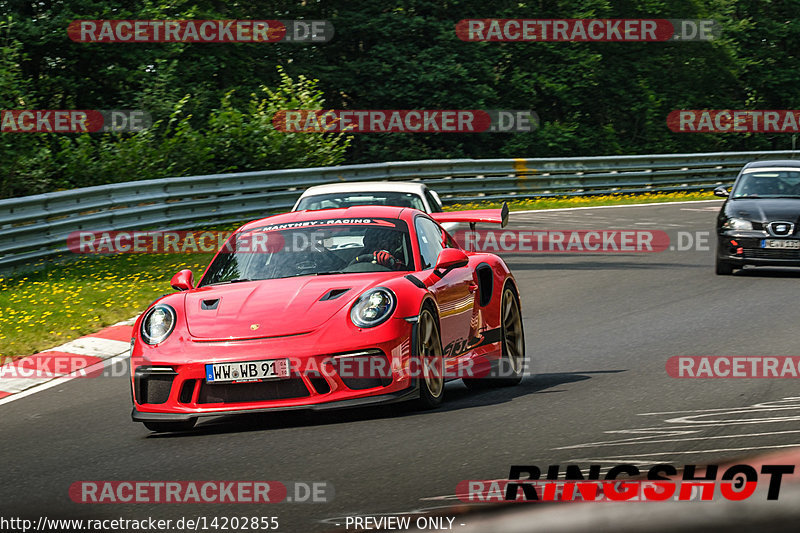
[{"x": 489, "y": 216}]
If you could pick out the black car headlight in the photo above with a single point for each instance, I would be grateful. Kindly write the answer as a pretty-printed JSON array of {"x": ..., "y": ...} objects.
[
  {"x": 737, "y": 223},
  {"x": 373, "y": 307},
  {"x": 158, "y": 323}
]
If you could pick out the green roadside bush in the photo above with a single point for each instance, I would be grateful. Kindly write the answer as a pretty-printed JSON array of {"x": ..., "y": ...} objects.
[{"x": 237, "y": 136}]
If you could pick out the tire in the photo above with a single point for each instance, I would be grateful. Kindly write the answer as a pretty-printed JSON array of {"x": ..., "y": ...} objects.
[
  {"x": 167, "y": 427},
  {"x": 428, "y": 343},
  {"x": 510, "y": 366},
  {"x": 724, "y": 268}
]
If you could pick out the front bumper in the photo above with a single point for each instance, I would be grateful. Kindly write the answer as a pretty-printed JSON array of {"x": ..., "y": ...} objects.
[
  {"x": 744, "y": 248},
  {"x": 168, "y": 382},
  {"x": 382, "y": 399}
]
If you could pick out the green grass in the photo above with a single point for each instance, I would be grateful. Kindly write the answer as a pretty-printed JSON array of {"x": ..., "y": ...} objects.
[{"x": 59, "y": 301}]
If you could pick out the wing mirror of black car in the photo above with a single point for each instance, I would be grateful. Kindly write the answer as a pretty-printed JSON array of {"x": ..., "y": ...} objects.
[
  {"x": 183, "y": 280},
  {"x": 721, "y": 191}
]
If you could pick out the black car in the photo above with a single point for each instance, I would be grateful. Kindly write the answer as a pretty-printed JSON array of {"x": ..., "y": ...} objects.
[{"x": 758, "y": 223}]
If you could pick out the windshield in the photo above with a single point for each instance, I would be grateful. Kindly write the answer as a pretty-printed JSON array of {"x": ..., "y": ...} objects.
[
  {"x": 348, "y": 199},
  {"x": 768, "y": 184},
  {"x": 318, "y": 247}
]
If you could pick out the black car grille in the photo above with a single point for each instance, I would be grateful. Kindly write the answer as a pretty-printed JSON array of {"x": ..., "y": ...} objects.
[
  {"x": 282, "y": 389},
  {"x": 771, "y": 253}
]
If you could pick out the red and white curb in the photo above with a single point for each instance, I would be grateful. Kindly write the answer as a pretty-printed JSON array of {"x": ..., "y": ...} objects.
[{"x": 76, "y": 358}]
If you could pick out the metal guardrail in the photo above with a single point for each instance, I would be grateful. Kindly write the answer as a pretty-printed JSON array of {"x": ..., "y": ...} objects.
[{"x": 36, "y": 227}]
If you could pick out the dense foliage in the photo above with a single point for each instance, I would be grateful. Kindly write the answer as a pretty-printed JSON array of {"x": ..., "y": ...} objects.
[{"x": 212, "y": 103}]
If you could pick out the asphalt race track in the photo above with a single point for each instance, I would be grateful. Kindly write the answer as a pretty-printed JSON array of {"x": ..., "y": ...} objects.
[{"x": 599, "y": 330}]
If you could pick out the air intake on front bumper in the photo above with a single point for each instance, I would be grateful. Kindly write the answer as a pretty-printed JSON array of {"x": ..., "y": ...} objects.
[
  {"x": 363, "y": 370},
  {"x": 281, "y": 389},
  {"x": 152, "y": 384}
]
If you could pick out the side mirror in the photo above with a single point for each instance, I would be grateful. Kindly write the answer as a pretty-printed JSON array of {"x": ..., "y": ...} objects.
[
  {"x": 451, "y": 258},
  {"x": 183, "y": 280},
  {"x": 721, "y": 191}
]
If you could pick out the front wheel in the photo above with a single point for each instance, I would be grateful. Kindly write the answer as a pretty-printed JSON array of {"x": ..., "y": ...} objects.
[
  {"x": 168, "y": 427},
  {"x": 431, "y": 361}
]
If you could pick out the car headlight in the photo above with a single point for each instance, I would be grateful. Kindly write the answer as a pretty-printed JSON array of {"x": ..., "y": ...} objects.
[
  {"x": 158, "y": 323},
  {"x": 373, "y": 307},
  {"x": 737, "y": 223}
]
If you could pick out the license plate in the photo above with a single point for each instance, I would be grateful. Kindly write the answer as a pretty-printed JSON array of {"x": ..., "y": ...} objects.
[
  {"x": 780, "y": 243},
  {"x": 247, "y": 371}
]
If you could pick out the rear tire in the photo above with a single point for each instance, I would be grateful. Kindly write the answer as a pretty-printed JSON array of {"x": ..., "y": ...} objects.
[
  {"x": 509, "y": 368},
  {"x": 168, "y": 427},
  {"x": 724, "y": 268},
  {"x": 431, "y": 358}
]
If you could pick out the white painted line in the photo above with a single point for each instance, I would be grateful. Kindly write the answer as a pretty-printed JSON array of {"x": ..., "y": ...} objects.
[
  {"x": 87, "y": 346},
  {"x": 750, "y": 408},
  {"x": 15, "y": 385},
  {"x": 666, "y": 454},
  {"x": 92, "y": 346},
  {"x": 610, "y": 206},
  {"x": 59, "y": 381},
  {"x": 638, "y": 441},
  {"x": 128, "y": 322}
]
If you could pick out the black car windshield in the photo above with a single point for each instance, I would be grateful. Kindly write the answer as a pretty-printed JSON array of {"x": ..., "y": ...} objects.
[
  {"x": 349, "y": 199},
  {"x": 319, "y": 247},
  {"x": 768, "y": 184}
]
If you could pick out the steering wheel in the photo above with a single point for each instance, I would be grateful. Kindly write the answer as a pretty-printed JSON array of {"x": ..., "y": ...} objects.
[{"x": 362, "y": 258}]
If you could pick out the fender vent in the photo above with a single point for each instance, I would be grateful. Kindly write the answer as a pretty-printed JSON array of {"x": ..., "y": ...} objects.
[
  {"x": 209, "y": 305},
  {"x": 485, "y": 283},
  {"x": 333, "y": 294}
]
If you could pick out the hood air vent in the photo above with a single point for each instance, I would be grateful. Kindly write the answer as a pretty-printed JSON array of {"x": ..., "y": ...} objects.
[{"x": 333, "y": 294}]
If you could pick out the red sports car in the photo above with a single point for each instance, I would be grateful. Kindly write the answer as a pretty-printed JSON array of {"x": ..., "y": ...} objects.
[{"x": 328, "y": 309}]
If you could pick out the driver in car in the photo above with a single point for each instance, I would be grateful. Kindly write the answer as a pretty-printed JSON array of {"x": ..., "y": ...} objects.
[{"x": 382, "y": 245}]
